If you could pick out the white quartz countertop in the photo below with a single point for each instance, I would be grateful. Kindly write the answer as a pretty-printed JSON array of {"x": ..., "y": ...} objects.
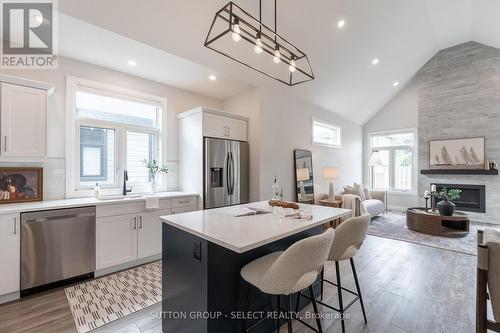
[
  {"x": 242, "y": 234},
  {"x": 80, "y": 202}
]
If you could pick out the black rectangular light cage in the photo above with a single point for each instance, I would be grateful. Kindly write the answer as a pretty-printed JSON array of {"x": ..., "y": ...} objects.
[{"x": 235, "y": 33}]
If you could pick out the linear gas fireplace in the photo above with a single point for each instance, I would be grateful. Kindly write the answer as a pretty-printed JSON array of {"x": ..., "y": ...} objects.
[{"x": 472, "y": 198}]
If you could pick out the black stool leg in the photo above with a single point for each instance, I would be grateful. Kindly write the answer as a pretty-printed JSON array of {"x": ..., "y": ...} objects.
[
  {"x": 279, "y": 313},
  {"x": 357, "y": 287},
  {"x": 247, "y": 306},
  {"x": 339, "y": 290},
  {"x": 315, "y": 308},
  {"x": 289, "y": 309},
  {"x": 322, "y": 281}
]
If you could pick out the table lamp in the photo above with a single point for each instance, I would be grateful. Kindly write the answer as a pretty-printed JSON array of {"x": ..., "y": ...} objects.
[
  {"x": 331, "y": 173},
  {"x": 302, "y": 175}
]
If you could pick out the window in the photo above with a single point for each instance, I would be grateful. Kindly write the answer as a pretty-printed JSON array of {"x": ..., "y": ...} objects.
[
  {"x": 326, "y": 134},
  {"x": 392, "y": 161},
  {"x": 113, "y": 132}
]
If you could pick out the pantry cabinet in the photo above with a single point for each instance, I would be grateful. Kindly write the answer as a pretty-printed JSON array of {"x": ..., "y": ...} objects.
[
  {"x": 9, "y": 253},
  {"x": 23, "y": 114}
]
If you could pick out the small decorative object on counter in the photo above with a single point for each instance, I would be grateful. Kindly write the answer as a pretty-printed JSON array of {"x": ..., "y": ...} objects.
[
  {"x": 433, "y": 197},
  {"x": 154, "y": 169},
  {"x": 275, "y": 189},
  {"x": 97, "y": 191},
  {"x": 427, "y": 195},
  {"x": 284, "y": 204},
  {"x": 445, "y": 206},
  {"x": 281, "y": 194}
]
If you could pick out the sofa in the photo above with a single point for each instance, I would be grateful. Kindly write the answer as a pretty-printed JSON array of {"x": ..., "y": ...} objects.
[{"x": 374, "y": 206}]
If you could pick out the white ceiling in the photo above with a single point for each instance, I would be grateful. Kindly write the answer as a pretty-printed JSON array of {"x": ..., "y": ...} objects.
[{"x": 403, "y": 34}]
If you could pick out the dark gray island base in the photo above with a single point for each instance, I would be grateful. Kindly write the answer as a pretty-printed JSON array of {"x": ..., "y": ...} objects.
[{"x": 201, "y": 279}]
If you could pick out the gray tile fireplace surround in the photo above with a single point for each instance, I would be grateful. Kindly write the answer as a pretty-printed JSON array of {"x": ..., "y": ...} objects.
[{"x": 459, "y": 97}]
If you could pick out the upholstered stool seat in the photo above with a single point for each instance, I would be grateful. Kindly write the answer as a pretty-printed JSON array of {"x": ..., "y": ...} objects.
[
  {"x": 349, "y": 237},
  {"x": 288, "y": 272}
]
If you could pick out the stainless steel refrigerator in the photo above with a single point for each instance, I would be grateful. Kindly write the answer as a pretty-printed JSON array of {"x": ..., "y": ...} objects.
[{"x": 225, "y": 173}]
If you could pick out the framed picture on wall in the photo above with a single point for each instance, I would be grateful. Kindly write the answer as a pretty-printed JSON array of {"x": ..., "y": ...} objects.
[
  {"x": 457, "y": 154},
  {"x": 21, "y": 185}
]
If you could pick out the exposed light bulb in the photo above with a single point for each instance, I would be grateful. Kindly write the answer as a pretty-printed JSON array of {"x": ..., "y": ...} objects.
[
  {"x": 375, "y": 61},
  {"x": 341, "y": 24},
  {"x": 212, "y": 77},
  {"x": 258, "y": 44},
  {"x": 292, "y": 66},
  {"x": 395, "y": 84},
  {"x": 277, "y": 55},
  {"x": 235, "y": 35}
]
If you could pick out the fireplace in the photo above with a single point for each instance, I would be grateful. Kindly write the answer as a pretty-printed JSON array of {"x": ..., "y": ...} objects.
[{"x": 472, "y": 198}]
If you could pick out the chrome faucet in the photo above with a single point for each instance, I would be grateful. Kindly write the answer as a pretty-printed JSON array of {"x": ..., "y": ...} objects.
[{"x": 125, "y": 178}]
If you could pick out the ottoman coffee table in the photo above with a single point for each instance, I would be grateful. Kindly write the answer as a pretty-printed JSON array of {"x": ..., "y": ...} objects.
[{"x": 432, "y": 223}]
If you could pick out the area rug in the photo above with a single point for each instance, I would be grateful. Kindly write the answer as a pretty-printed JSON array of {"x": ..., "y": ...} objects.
[
  {"x": 103, "y": 300},
  {"x": 393, "y": 225}
]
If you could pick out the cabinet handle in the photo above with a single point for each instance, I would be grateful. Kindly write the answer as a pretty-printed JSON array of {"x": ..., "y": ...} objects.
[
  {"x": 140, "y": 222},
  {"x": 229, "y": 131},
  {"x": 15, "y": 225},
  {"x": 184, "y": 201},
  {"x": 135, "y": 223}
]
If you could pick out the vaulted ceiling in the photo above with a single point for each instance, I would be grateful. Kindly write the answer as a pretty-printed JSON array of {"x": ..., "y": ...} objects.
[{"x": 402, "y": 34}]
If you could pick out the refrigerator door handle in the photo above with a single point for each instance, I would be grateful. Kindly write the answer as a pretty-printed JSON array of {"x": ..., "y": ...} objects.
[
  {"x": 227, "y": 174},
  {"x": 232, "y": 173}
]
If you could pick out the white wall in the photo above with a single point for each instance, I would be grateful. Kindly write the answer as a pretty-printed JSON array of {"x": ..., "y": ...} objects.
[
  {"x": 400, "y": 113},
  {"x": 286, "y": 124},
  {"x": 248, "y": 105},
  {"x": 178, "y": 100}
]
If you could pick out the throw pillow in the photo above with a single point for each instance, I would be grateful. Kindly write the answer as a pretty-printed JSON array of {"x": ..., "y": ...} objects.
[{"x": 356, "y": 190}]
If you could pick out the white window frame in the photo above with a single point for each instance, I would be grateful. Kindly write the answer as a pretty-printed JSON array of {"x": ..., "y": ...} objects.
[
  {"x": 326, "y": 124},
  {"x": 73, "y": 187},
  {"x": 391, "y": 149}
]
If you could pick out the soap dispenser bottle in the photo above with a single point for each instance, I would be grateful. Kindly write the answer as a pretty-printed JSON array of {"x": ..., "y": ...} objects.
[{"x": 97, "y": 191}]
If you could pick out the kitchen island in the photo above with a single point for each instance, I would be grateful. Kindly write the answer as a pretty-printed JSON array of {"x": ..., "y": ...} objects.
[{"x": 203, "y": 253}]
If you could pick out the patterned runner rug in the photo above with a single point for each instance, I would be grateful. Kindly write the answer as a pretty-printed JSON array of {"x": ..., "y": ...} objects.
[{"x": 103, "y": 300}]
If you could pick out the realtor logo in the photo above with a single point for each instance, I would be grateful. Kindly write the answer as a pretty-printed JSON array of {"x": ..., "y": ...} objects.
[{"x": 28, "y": 34}]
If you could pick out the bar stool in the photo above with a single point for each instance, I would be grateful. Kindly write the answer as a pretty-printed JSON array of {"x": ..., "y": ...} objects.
[
  {"x": 349, "y": 236},
  {"x": 288, "y": 272}
]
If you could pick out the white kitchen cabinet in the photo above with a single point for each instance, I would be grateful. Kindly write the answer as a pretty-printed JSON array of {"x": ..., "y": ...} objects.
[
  {"x": 10, "y": 260},
  {"x": 127, "y": 232},
  {"x": 149, "y": 233},
  {"x": 23, "y": 112},
  {"x": 116, "y": 240},
  {"x": 224, "y": 126}
]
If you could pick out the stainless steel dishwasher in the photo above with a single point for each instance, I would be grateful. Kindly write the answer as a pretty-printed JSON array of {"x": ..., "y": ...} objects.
[{"x": 56, "y": 245}]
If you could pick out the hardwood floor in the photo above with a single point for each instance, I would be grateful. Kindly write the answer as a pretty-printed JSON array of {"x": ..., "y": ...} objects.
[{"x": 406, "y": 288}]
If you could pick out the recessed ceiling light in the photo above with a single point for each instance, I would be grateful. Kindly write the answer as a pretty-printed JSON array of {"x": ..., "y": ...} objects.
[
  {"x": 132, "y": 63},
  {"x": 212, "y": 77},
  {"x": 375, "y": 61},
  {"x": 395, "y": 84},
  {"x": 341, "y": 24}
]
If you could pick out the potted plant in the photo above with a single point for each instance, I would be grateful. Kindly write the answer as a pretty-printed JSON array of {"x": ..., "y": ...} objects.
[
  {"x": 154, "y": 169},
  {"x": 445, "y": 206}
]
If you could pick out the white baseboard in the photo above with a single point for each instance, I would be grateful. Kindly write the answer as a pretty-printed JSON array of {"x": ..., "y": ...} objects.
[
  {"x": 121, "y": 267},
  {"x": 10, "y": 297}
]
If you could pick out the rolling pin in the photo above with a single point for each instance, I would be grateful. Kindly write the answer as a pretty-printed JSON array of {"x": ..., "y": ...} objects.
[{"x": 284, "y": 204}]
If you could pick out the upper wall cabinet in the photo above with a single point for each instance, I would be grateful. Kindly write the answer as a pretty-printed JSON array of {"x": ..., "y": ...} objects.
[
  {"x": 217, "y": 124},
  {"x": 23, "y": 113}
]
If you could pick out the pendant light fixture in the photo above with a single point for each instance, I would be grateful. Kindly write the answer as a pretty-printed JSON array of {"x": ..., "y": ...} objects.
[{"x": 236, "y": 34}]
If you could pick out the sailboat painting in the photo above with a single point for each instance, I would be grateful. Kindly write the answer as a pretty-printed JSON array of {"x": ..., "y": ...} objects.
[{"x": 457, "y": 154}]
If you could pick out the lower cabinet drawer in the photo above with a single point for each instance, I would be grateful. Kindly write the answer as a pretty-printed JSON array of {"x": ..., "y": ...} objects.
[
  {"x": 184, "y": 202},
  {"x": 180, "y": 210}
]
